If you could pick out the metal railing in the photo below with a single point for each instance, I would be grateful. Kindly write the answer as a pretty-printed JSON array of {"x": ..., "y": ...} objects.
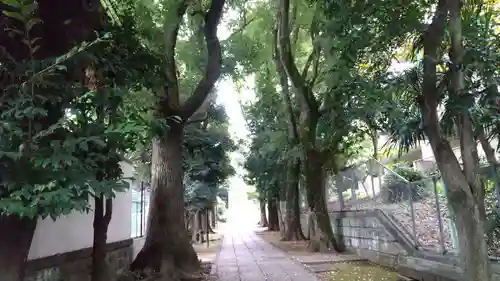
[{"x": 417, "y": 203}]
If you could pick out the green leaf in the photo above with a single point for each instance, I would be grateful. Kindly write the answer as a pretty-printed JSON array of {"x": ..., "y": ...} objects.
[
  {"x": 31, "y": 23},
  {"x": 12, "y": 3},
  {"x": 83, "y": 146},
  {"x": 61, "y": 67},
  {"x": 14, "y": 15},
  {"x": 27, "y": 11}
]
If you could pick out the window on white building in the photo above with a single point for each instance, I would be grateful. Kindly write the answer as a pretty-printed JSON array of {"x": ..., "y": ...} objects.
[{"x": 140, "y": 208}]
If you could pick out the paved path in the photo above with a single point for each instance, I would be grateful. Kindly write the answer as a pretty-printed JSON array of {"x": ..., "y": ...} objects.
[{"x": 246, "y": 257}]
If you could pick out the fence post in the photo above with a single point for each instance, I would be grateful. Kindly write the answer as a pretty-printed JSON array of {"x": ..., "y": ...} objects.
[
  {"x": 451, "y": 222},
  {"x": 440, "y": 221},
  {"x": 497, "y": 184},
  {"x": 412, "y": 211},
  {"x": 142, "y": 209},
  {"x": 371, "y": 164}
]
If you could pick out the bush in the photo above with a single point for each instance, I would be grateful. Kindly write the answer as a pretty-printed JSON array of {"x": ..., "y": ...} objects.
[{"x": 396, "y": 189}]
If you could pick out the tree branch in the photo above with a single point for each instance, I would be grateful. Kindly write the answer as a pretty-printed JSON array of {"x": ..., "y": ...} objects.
[
  {"x": 285, "y": 91},
  {"x": 241, "y": 28},
  {"x": 285, "y": 53},
  {"x": 214, "y": 62},
  {"x": 170, "y": 99},
  {"x": 197, "y": 117},
  {"x": 315, "y": 53}
]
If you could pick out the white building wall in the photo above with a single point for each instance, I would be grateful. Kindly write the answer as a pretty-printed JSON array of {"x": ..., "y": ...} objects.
[
  {"x": 428, "y": 154},
  {"x": 75, "y": 231}
]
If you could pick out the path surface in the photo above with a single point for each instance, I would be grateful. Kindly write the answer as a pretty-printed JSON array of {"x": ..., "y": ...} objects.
[{"x": 246, "y": 257}]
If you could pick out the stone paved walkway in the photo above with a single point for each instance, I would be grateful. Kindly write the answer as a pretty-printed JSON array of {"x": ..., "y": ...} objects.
[{"x": 246, "y": 257}]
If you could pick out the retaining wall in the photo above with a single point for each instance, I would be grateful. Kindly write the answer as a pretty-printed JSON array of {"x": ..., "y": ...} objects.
[
  {"x": 373, "y": 236},
  {"x": 76, "y": 265}
]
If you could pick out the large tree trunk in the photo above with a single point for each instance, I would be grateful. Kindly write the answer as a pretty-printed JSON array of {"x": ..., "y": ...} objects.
[
  {"x": 16, "y": 235},
  {"x": 102, "y": 217},
  {"x": 293, "y": 230},
  {"x": 308, "y": 124},
  {"x": 321, "y": 234},
  {"x": 263, "y": 216},
  {"x": 272, "y": 210},
  {"x": 167, "y": 241},
  {"x": 462, "y": 184}
]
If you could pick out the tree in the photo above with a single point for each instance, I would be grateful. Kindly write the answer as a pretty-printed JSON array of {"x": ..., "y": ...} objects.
[
  {"x": 35, "y": 140},
  {"x": 462, "y": 184},
  {"x": 167, "y": 243},
  {"x": 459, "y": 82},
  {"x": 207, "y": 164}
]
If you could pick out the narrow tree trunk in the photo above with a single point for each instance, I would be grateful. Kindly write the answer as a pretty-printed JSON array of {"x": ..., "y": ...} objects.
[
  {"x": 195, "y": 227},
  {"x": 263, "y": 217},
  {"x": 203, "y": 225},
  {"x": 102, "y": 217},
  {"x": 167, "y": 240},
  {"x": 272, "y": 210},
  {"x": 492, "y": 160},
  {"x": 16, "y": 235},
  {"x": 321, "y": 235},
  {"x": 292, "y": 213},
  {"x": 281, "y": 207},
  {"x": 281, "y": 204},
  {"x": 210, "y": 223},
  {"x": 212, "y": 216}
]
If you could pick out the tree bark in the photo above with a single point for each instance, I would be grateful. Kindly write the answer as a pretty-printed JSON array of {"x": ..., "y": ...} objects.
[
  {"x": 291, "y": 209},
  {"x": 102, "y": 218},
  {"x": 293, "y": 229},
  {"x": 213, "y": 221},
  {"x": 321, "y": 235},
  {"x": 281, "y": 203},
  {"x": 492, "y": 160},
  {"x": 461, "y": 184},
  {"x": 195, "y": 227},
  {"x": 272, "y": 210},
  {"x": 263, "y": 216},
  {"x": 167, "y": 240},
  {"x": 16, "y": 234}
]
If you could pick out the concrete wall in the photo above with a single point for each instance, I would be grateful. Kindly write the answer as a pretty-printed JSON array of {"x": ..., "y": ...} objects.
[
  {"x": 76, "y": 265},
  {"x": 75, "y": 231},
  {"x": 366, "y": 234}
]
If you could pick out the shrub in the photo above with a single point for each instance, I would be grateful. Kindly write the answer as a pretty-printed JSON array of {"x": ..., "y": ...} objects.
[{"x": 395, "y": 189}]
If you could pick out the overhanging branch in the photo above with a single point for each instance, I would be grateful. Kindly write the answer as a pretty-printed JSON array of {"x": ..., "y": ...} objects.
[
  {"x": 285, "y": 53},
  {"x": 214, "y": 62},
  {"x": 170, "y": 98}
]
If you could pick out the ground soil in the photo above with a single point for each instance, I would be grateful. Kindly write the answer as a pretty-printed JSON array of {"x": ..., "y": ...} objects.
[
  {"x": 291, "y": 247},
  {"x": 208, "y": 255},
  {"x": 345, "y": 271}
]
